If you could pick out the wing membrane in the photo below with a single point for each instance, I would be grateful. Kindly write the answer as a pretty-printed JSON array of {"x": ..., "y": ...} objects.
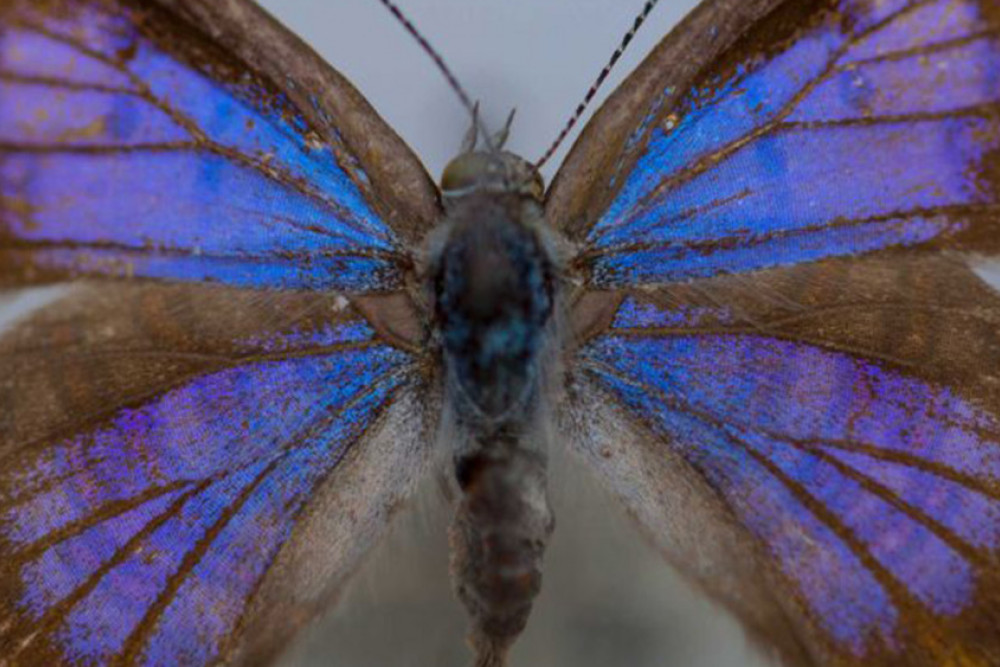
[
  {"x": 764, "y": 169},
  {"x": 133, "y": 144},
  {"x": 845, "y": 415},
  {"x": 760, "y": 165},
  {"x": 191, "y": 472},
  {"x": 143, "y": 524},
  {"x": 779, "y": 297}
]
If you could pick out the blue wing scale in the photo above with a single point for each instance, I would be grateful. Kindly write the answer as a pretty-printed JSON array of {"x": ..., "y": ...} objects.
[
  {"x": 779, "y": 427},
  {"x": 791, "y": 312},
  {"x": 122, "y": 157},
  {"x": 147, "y": 497},
  {"x": 764, "y": 168},
  {"x": 125, "y": 537}
]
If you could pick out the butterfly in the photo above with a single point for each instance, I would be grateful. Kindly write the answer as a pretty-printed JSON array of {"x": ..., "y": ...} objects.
[{"x": 749, "y": 300}]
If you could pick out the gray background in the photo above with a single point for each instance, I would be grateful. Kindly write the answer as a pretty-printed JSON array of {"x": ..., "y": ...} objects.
[
  {"x": 608, "y": 599},
  {"x": 537, "y": 55}
]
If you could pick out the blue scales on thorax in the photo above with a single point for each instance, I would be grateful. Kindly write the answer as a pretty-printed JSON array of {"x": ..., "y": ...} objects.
[{"x": 493, "y": 283}]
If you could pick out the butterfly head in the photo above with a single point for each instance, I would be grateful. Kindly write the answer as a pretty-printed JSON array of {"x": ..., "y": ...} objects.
[
  {"x": 491, "y": 170},
  {"x": 494, "y": 172}
]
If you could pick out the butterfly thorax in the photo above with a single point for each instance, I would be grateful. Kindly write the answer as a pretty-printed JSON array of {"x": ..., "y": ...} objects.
[
  {"x": 494, "y": 283},
  {"x": 493, "y": 279}
]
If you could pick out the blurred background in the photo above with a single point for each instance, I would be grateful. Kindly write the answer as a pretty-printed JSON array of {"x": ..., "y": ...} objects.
[
  {"x": 608, "y": 599},
  {"x": 539, "y": 57}
]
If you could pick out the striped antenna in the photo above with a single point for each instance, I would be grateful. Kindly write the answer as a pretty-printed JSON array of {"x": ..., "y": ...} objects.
[
  {"x": 574, "y": 119},
  {"x": 445, "y": 70}
]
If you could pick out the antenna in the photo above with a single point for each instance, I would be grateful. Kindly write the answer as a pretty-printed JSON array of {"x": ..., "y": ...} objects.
[
  {"x": 445, "y": 70},
  {"x": 626, "y": 40}
]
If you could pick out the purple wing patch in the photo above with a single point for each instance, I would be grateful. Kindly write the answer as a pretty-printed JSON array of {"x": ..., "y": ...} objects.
[
  {"x": 845, "y": 469},
  {"x": 120, "y": 157},
  {"x": 145, "y": 536}
]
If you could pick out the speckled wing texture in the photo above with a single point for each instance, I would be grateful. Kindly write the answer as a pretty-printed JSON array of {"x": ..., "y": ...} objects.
[
  {"x": 210, "y": 425},
  {"x": 781, "y": 218},
  {"x": 193, "y": 141}
]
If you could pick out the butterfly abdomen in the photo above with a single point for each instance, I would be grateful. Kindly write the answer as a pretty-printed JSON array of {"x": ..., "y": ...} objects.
[{"x": 498, "y": 538}]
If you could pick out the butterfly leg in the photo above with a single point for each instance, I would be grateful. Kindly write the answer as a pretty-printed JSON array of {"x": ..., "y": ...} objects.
[{"x": 498, "y": 538}]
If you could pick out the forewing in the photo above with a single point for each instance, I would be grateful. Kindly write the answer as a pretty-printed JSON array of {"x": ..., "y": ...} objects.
[
  {"x": 177, "y": 491},
  {"x": 829, "y": 129},
  {"x": 193, "y": 141},
  {"x": 780, "y": 293}
]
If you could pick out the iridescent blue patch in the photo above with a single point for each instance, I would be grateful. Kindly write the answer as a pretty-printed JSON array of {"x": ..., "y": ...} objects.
[
  {"x": 846, "y": 143},
  {"x": 153, "y": 529},
  {"x": 866, "y": 463},
  {"x": 122, "y": 160}
]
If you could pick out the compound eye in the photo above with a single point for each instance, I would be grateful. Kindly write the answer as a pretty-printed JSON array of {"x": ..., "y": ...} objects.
[
  {"x": 455, "y": 177},
  {"x": 464, "y": 173}
]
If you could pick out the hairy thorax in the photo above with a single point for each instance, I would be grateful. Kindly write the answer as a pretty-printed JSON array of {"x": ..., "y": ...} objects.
[
  {"x": 494, "y": 285},
  {"x": 494, "y": 280}
]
